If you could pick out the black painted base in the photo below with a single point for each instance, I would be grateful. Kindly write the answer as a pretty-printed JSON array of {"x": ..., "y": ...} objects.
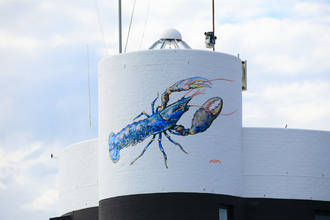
[
  {"x": 200, "y": 206},
  {"x": 82, "y": 214},
  {"x": 206, "y": 206},
  {"x": 169, "y": 206},
  {"x": 286, "y": 209}
]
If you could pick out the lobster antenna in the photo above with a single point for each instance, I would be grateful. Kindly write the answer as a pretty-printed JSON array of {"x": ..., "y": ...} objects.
[
  {"x": 229, "y": 113},
  {"x": 198, "y": 92},
  {"x": 89, "y": 95},
  {"x": 199, "y": 106},
  {"x": 209, "y": 81}
]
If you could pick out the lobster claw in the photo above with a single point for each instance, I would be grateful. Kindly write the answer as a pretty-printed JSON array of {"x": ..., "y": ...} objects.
[
  {"x": 204, "y": 116},
  {"x": 190, "y": 83},
  {"x": 184, "y": 85}
]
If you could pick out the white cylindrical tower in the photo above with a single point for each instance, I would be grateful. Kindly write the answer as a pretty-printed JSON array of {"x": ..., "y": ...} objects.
[
  {"x": 171, "y": 146},
  {"x": 128, "y": 83},
  {"x": 78, "y": 177}
]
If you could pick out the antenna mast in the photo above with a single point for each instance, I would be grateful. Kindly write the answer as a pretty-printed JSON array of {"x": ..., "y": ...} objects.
[
  {"x": 119, "y": 16},
  {"x": 51, "y": 140},
  {"x": 89, "y": 95},
  {"x": 213, "y": 21},
  {"x": 210, "y": 37}
]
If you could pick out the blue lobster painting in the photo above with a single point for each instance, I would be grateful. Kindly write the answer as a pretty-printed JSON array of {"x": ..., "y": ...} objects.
[{"x": 164, "y": 119}]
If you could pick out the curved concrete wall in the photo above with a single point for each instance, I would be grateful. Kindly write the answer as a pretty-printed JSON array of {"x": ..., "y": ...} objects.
[
  {"x": 78, "y": 176},
  {"x": 128, "y": 83},
  {"x": 286, "y": 163}
]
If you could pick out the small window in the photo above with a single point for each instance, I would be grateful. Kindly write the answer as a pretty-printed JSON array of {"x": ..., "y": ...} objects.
[
  {"x": 223, "y": 213},
  {"x": 322, "y": 215}
]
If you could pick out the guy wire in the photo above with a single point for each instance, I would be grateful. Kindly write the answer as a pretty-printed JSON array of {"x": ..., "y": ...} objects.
[
  {"x": 100, "y": 24},
  {"x": 130, "y": 23},
  {"x": 145, "y": 24}
]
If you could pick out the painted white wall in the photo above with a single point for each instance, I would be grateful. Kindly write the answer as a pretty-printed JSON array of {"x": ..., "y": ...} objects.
[
  {"x": 128, "y": 83},
  {"x": 286, "y": 163},
  {"x": 255, "y": 162},
  {"x": 78, "y": 176}
]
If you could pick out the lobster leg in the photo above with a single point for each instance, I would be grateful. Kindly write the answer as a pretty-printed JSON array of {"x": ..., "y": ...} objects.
[
  {"x": 144, "y": 150},
  {"x": 162, "y": 149},
  {"x": 152, "y": 109},
  {"x": 176, "y": 143},
  {"x": 153, "y": 104},
  {"x": 142, "y": 113}
]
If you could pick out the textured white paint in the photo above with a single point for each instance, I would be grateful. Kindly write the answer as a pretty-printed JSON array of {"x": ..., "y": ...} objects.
[
  {"x": 128, "y": 83},
  {"x": 255, "y": 162},
  {"x": 78, "y": 175},
  {"x": 286, "y": 163}
]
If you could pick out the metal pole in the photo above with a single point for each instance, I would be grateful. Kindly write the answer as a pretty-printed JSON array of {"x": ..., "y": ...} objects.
[
  {"x": 213, "y": 21},
  {"x": 119, "y": 14},
  {"x": 89, "y": 96}
]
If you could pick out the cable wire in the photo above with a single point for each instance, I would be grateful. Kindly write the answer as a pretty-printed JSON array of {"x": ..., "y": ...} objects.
[
  {"x": 145, "y": 24},
  {"x": 130, "y": 23},
  {"x": 100, "y": 24}
]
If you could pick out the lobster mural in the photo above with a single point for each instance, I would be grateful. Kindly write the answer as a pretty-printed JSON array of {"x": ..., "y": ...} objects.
[{"x": 164, "y": 119}]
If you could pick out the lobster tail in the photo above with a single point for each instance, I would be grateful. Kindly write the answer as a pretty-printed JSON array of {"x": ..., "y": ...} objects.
[{"x": 113, "y": 148}]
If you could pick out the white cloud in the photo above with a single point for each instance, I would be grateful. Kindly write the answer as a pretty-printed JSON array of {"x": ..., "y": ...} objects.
[
  {"x": 46, "y": 201},
  {"x": 27, "y": 174},
  {"x": 2, "y": 186},
  {"x": 8, "y": 40},
  {"x": 7, "y": 107},
  {"x": 312, "y": 9},
  {"x": 43, "y": 60},
  {"x": 279, "y": 46},
  {"x": 300, "y": 105},
  {"x": 13, "y": 165}
]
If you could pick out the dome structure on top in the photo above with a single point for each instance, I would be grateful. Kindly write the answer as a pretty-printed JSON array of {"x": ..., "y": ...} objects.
[
  {"x": 171, "y": 33},
  {"x": 170, "y": 39}
]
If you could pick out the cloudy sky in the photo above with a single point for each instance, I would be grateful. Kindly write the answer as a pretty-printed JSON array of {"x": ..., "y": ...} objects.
[{"x": 44, "y": 103}]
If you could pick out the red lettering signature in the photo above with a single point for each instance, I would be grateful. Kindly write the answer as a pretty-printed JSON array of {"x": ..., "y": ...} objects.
[{"x": 214, "y": 161}]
